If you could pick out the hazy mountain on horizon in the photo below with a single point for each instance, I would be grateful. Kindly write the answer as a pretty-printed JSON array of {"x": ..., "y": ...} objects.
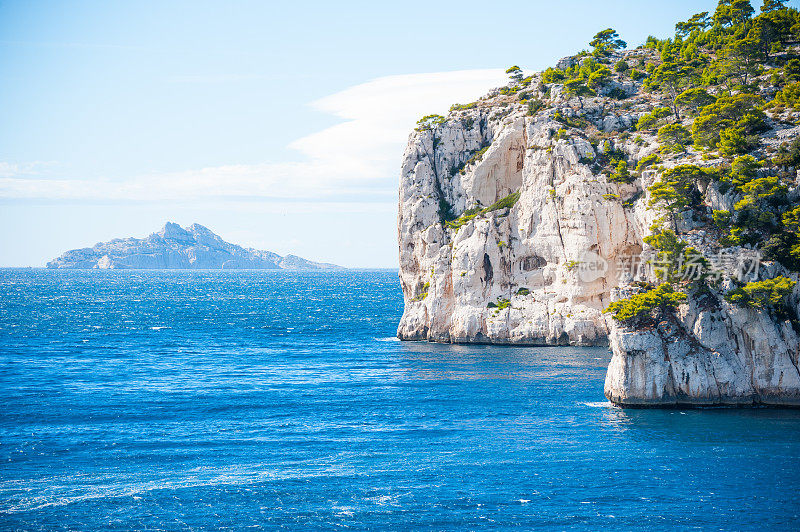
[{"x": 175, "y": 247}]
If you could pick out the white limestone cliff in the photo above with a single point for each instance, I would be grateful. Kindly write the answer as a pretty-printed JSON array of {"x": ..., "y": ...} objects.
[
  {"x": 714, "y": 353},
  {"x": 530, "y": 253},
  {"x": 541, "y": 269}
]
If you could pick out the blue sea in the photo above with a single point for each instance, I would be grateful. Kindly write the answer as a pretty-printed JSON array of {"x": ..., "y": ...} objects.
[{"x": 188, "y": 400}]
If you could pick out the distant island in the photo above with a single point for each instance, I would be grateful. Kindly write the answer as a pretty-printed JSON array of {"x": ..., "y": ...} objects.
[{"x": 195, "y": 247}]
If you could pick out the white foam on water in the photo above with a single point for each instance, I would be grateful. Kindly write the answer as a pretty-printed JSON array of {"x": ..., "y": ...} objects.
[
  {"x": 387, "y": 339},
  {"x": 599, "y": 404},
  {"x": 66, "y": 494}
]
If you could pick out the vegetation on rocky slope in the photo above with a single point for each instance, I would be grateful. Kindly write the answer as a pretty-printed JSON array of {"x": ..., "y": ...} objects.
[
  {"x": 470, "y": 214},
  {"x": 728, "y": 78},
  {"x": 715, "y": 110},
  {"x": 642, "y": 306},
  {"x": 719, "y": 85}
]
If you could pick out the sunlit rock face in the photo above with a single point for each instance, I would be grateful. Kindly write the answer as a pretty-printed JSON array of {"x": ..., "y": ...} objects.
[
  {"x": 509, "y": 234},
  {"x": 532, "y": 254},
  {"x": 713, "y": 354}
]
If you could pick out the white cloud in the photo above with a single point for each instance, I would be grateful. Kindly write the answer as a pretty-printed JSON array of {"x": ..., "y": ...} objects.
[
  {"x": 19, "y": 169},
  {"x": 381, "y": 113},
  {"x": 347, "y": 159}
]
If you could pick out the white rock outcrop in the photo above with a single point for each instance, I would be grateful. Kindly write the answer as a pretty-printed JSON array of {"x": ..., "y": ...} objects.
[
  {"x": 533, "y": 254},
  {"x": 712, "y": 354},
  {"x": 509, "y": 234}
]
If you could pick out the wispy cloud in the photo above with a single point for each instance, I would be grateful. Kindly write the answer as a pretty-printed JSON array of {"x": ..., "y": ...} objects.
[
  {"x": 356, "y": 158},
  {"x": 277, "y": 181},
  {"x": 33, "y": 168}
]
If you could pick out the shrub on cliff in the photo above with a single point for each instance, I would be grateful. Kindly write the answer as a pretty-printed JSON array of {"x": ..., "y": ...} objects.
[
  {"x": 534, "y": 106},
  {"x": 505, "y": 203},
  {"x": 577, "y": 88},
  {"x": 621, "y": 174},
  {"x": 734, "y": 141},
  {"x": 674, "y": 138},
  {"x": 740, "y": 112},
  {"x": 553, "y": 75},
  {"x": 676, "y": 261},
  {"x": 792, "y": 70},
  {"x": 763, "y": 216},
  {"x": 691, "y": 100},
  {"x": 571, "y": 121},
  {"x": 670, "y": 78},
  {"x": 599, "y": 77},
  {"x": 764, "y": 188},
  {"x": 677, "y": 188},
  {"x": 502, "y": 304},
  {"x": 722, "y": 219},
  {"x": 788, "y": 97},
  {"x": 429, "y": 122},
  {"x": 605, "y": 42},
  {"x": 653, "y": 119},
  {"x": 463, "y": 106},
  {"x": 646, "y": 304},
  {"x": 743, "y": 170},
  {"x": 791, "y": 220},
  {"x": 788, "y": 155},
  {"x": 760, "y": 294},
  {"x": 637, "y": 75},
  {"x": 514, "y": 74},
  {"x": 784, "y": 248},
  {"x": 670, "y": 195},
  {"x": 647, "y": 162},
  {"x": 744, "y": 176}
]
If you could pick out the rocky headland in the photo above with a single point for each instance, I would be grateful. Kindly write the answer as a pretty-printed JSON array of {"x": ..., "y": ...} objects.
[{"x": 643, "y": 199}]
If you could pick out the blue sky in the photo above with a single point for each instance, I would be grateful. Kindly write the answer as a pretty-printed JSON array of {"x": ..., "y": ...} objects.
[{"x": 278, "y": 125}]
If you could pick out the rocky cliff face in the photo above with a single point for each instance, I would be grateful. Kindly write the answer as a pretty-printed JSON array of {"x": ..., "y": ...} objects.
[
  {"x": 532, "y": 253},
  {"x": 713, "y": 354},
  {"x": 195, "y": 247},
  {"x": 512, "y": 232}
]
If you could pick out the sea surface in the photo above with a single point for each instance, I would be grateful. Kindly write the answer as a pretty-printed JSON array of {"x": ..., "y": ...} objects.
[{"x": 186, "y": 400}]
